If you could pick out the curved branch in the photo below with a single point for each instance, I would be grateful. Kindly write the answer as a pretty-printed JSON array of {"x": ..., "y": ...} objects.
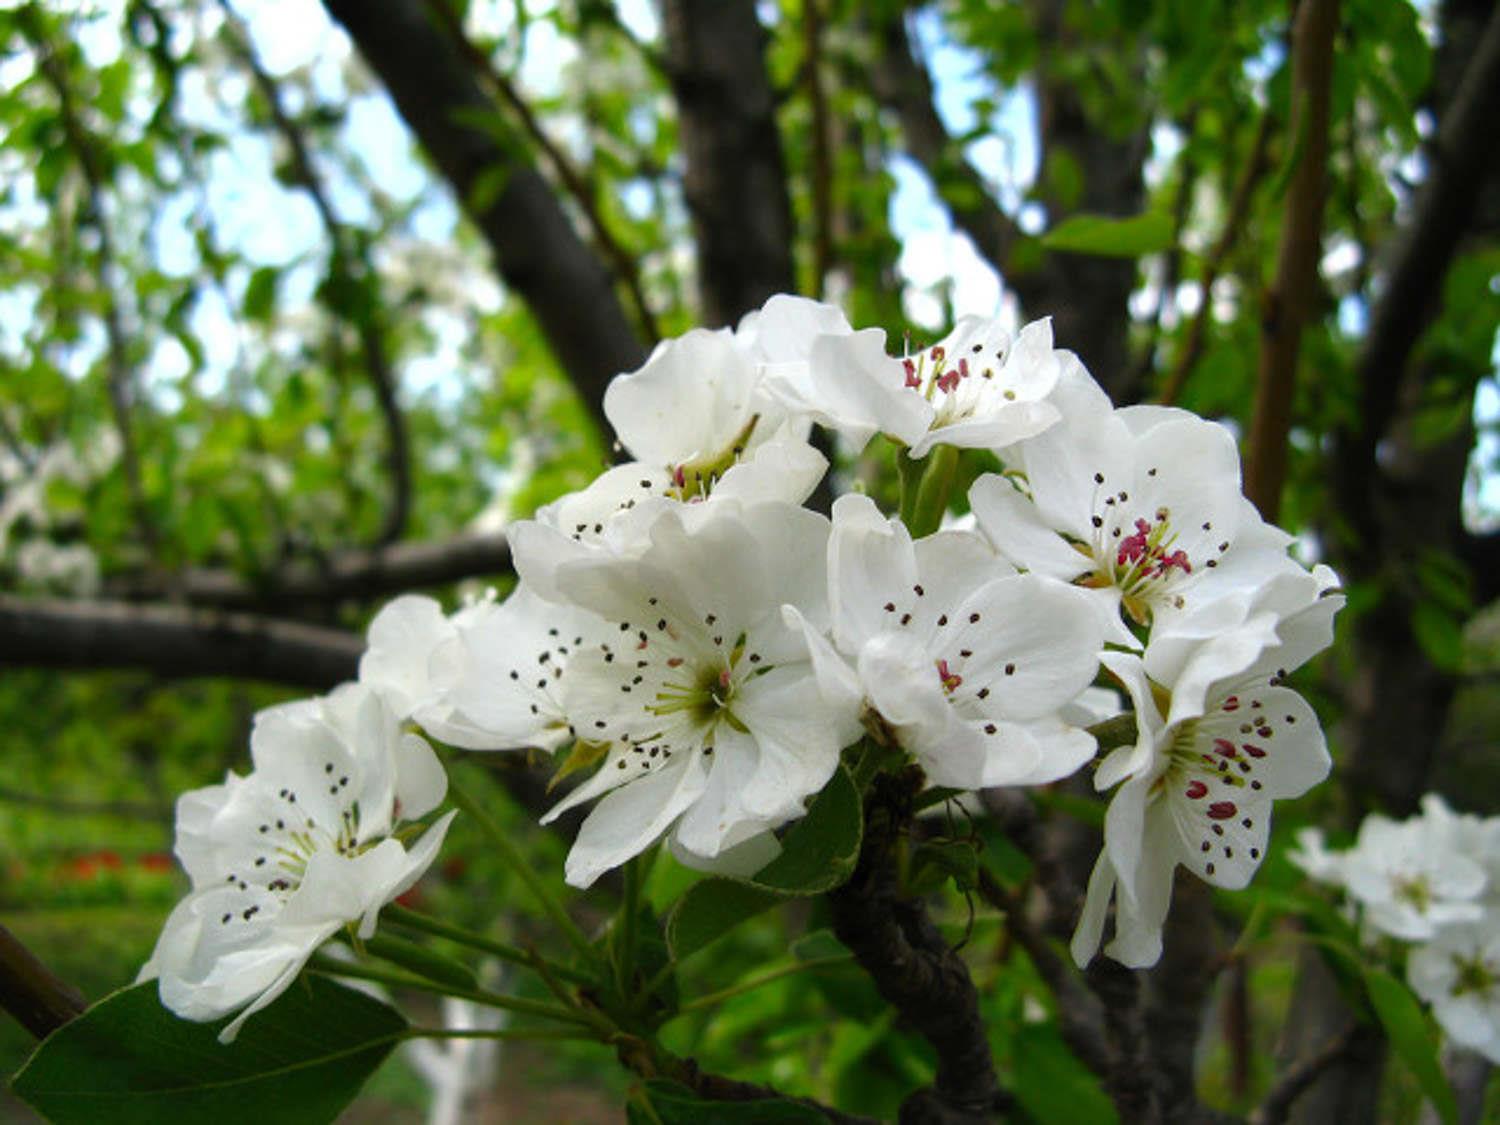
[
  {"x": 174, "y": 642},
  {"x": 620, "y": 259},
  {"x": 1297, "y": 1078},
  {"x": 368, "y": 324},
  {"x": 355, "y": 575},
  {"x": 1463, "y": 157},
  {"x": 121, "y": 376},
  {"x": 915, "y": 970},
  {"x": 40, "y": 1001},
  {"x": 538, "y": 252},
  {"x": 1287, "y": 302}
]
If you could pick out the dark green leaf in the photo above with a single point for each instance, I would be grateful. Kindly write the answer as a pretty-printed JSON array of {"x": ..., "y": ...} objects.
[
  {"x": 129, "y": 1061},
  {"x": 1051, "y": 1084},
  {"x": 1147, "y": 233},
  {"x": 260, "y": 294},
  {"x": 1411, "y": 1038},
  {"x": 817, "y": 855}
]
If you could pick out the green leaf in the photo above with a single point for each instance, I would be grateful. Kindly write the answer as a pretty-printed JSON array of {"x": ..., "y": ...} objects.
[
  {"x": 260, "y": 294},
  {"x": 934, "y": 862},
  {"x": 817, "y": 855},
  {"x": 1147, "y": 233},
  {"x": 1412, "y": 1039},
  {"x": 1051, "y": 1084},
  {"x": 661, "y": 1102},
  {"x": 129, "y": 1061}
]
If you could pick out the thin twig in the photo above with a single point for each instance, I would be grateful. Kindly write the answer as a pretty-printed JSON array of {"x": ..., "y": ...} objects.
[
  {"x": 121, "y": 376},
  {"x": 1287, "y": 304},
  {"x": 1234, "y": 224},
  {"x": 367, "y": 324},
  {"x": 821, "y": 144},
  {"x": 1302, "y": 1074},
  {"x": 623, "y": 261}
]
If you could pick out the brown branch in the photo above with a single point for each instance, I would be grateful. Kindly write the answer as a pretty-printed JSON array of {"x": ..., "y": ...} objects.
[
  {"x": 734, "y": 177},
  {"x": 914, "y": 969},
  {"x": 173, "y": 642},
  {"x": 716, "y": 1087},
  {"x": 353, "y": 575},
  {"x": 1129, "y": 1082},
  {"x": 623, "y": 262},
  {"x": 1286, "y": 303},
  {"x": 1462, "y": 158},
  {"x": 820, "y": 150},
  {"x": 1171, "y": 272},
  {"x": 69, "y": 806},
  {"x": 31, "y": 993},
  {"x": 1080, "y": 1018},
  {"x": 539, "y": 254},
  {"x": 1234, "y": 224},
  {"x": 1299, "y": 1076},
  {"x": 121, "y": 376},
  {"x": 367, "y": 324}
]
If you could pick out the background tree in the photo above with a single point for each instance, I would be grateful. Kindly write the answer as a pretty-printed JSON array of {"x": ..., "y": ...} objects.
[{"x": 285, "y": 330}]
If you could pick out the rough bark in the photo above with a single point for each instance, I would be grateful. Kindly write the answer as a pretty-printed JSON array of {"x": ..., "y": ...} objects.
[
  {"x": 354, "y": 575},
  {"x": 173, "y": 642},
  {"x": 538, "y": 252},
  {"x": 734, "y": 177}
]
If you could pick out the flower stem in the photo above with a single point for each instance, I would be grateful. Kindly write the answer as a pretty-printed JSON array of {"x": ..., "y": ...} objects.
[
  {"x": 630, "y": 904},
  {"x": 710, "y": 999},
  {"x": 933, "y": 491},
  {"x": 517, "y": 1004},
  {"x": 1118, "y": 731},
  {"x": 496, "y": 1033},
  {"x": 513, "y": 857},
  {"x": 411, "y": 920}
]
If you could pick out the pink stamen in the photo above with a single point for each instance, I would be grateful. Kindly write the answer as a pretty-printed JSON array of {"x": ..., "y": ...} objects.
[
  {"x": 1224, "y": 747},
  {"x": 911, "y": 374},
  {"x": 1196, "y": 789},
  {"x": 1252, "y": 750},
  {"x": 1221, "y": 810},
  {"x": 951, "y": 680},
  {"x": 947, "y": 382},
  {"x": 1133, "y": 547}
]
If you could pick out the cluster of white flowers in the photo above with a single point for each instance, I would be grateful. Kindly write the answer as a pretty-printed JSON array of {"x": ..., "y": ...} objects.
[
  {"x": 1432, "y": 881},
  {"x": 714, "y": 646}
]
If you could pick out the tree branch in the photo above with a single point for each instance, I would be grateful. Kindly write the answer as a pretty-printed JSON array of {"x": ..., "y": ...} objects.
[
  {"x": 1234, "y": 223},
  {"x": 820, "y": 154},
  {"x": 40, "y": 1001},
  {"x": 620, "y": 259},
  {"x": 1461, "y": 159},
  {"x": 539, "y": 254},
  {"x": 173, "y": 642},
  {"x": 915, "y": 970},
  {"x": 354, "y": 575},
  {"x": 368, "y": 323},
  {"x": 1303, "y": 1073},
  {"x": 1287, "y": 302},
  {"x": 121, "y": 377},
  {"x": 734, "y": 179}
]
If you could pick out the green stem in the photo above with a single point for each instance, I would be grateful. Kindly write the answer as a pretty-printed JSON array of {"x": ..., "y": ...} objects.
[
  {"x": 712, "y": 998},
  {"x": 516, "y": 1004},
  {"x": 513, "y": 857},
  {"x": 933, "y": 491},
  {"x": 1118, "y": 731},
  {"x": 630, "y": 904},
  {"x": 497, "y": 1033},
  {"x": 909, "y": 475},
  {"x": 411, "y": 920}
]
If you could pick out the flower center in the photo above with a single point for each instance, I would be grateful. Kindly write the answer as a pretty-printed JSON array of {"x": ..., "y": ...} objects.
[
  {"x": 694, "y": 480},
  {"x": 1413, "y": 891},
  {"x": 1474, "y": 975}
]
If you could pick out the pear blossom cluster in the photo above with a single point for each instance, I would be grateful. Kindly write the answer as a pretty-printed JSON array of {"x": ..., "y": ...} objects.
[
  {"x": 1431, "y": 883},
  {"x": 704, "y": 649}
]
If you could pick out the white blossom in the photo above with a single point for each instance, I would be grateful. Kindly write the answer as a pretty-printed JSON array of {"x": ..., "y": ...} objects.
[
  {"x": 1197, "y": 787},
  {"x": 283, "y": 858},
  {"x": 967, "y": 663},
  {"x": 1458, "y": 973},
  {"x": 703, "y": 701},
  {"x": 1410, "y": 878}
]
